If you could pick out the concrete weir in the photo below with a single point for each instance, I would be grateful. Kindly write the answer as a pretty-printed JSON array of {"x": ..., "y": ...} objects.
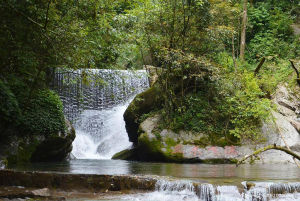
[{"x": 76, "y": 182}]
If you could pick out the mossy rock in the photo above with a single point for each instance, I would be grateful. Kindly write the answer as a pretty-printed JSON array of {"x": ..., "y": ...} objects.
[
  {"x": 149, "y": 149},
  {"x": 56, "y": 147},
  {"x": 182, "y": 147},
  {"x": 152, "y": 149},
  {"x": 127, "y": 154},
  {"x": 142, "y": 104},
  {"x": 23, "y": 152},
  {"x": 34, "y": 128},
  {"x": 40, "y": 148}
]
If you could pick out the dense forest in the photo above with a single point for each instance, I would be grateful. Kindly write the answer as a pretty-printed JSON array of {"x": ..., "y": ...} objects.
[{"x": 222, "y": 59}]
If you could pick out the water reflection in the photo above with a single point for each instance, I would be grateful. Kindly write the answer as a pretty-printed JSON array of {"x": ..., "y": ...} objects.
[{"x": 205, "y": 171}]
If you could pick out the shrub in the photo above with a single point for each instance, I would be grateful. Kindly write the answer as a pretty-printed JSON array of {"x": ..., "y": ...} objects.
[
  {"x": 44, "y": 114},
  {"x": 9, "y": 107},
  {"x": 246, "y": 107},
  {"x": 232, "y": 107}
]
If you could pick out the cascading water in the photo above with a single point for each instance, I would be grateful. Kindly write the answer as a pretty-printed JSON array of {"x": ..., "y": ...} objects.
[
  {"x": 95, "y": 100},
  {"x": 187, "y": 190}
]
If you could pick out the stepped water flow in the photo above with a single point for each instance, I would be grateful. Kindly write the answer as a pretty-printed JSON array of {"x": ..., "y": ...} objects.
[
  {"x": 193, "y": 191},
  {"x": 95, "y": 100}
]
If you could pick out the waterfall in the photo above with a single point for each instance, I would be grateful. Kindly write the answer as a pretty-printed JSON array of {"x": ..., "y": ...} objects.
[
  {"x": 94, "y": 101},
  {"x": 193, "y": 191},
  {"x": 206, "y": 192}
]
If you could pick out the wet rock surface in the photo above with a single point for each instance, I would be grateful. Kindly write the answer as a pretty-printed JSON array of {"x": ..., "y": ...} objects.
[
  {"x": 22, "y": 193},
  {"x": 79, "y": 182},
  {"x": 38, "y": 148}
]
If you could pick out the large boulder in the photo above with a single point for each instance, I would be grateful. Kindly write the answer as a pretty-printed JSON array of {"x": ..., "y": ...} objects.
[
  {"x": 283, "y": 128},
  {"x": 142, "y": 104},
  {"x": 157, "y": 144},
  {"x": 39, "y": 148},
  {"x": 152, "y": 99},
  {"x": 168, "y": 146},
  {"x": 33, "y": 129},
  {"x": 56, "y": 147}
]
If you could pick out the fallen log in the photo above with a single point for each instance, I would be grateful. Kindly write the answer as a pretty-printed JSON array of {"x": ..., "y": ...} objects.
[{"x": 296, "y": 156}]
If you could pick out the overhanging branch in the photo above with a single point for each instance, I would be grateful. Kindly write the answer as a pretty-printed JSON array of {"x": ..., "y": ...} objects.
[{"x": 296, "y": 156}]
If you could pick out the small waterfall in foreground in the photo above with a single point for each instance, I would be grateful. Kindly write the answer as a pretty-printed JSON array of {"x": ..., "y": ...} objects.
[
  {"x": 191, "y": 191},
  {"x": 95, "y": 100}
]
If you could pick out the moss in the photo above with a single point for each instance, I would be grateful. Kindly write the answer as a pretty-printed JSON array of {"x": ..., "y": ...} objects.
[
  {"x": 221, "y": 142},
  {"x": 173, "y": 157},
  {"x": 234, "y": 160},
  {"x": 202, "y": 142},
  {"x": 147, "y": 115},
  {"x": 170, "y": 142},
  {"x": 143, "y": 104},
  {"x": 52, "y": 149},
  {"x": 219, "y": 161},
  {"x": 23, "y": 153},
  {"x": 38, "y": 148},
  {"x": 150, "y": 149},
  {"x": 127, "y": 154},
  {"x": 157, "y": 135}
]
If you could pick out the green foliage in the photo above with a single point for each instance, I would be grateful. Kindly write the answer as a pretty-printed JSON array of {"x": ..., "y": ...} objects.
[
  {"x": 245, "y": 105},
  {"x": 269, "y": 32},
  {"x": 176, "y": 35},
  {"x": 231, "y": 107},
  {"x": 44, "y": 114},
  {"x": 9, "y": 107}
]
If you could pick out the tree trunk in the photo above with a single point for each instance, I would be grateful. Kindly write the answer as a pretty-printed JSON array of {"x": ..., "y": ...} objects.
[
  {"x": 297, "y": 72},
  {"x": 233, "y": 53},
  {"x": 262, "y": 61},
  {"x": 243, "y": 32}
]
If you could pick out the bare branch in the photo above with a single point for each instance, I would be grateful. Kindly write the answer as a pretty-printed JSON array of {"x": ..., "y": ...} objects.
[
  {"x": 47, "y": 13},
  {"x": 297, "y": 72},
  {"x": 268, "y": 148},
  {"x": 28, "y": 18}
]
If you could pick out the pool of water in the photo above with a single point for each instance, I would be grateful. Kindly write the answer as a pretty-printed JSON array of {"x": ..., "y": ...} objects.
[{"x": 213, "y": 173}]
